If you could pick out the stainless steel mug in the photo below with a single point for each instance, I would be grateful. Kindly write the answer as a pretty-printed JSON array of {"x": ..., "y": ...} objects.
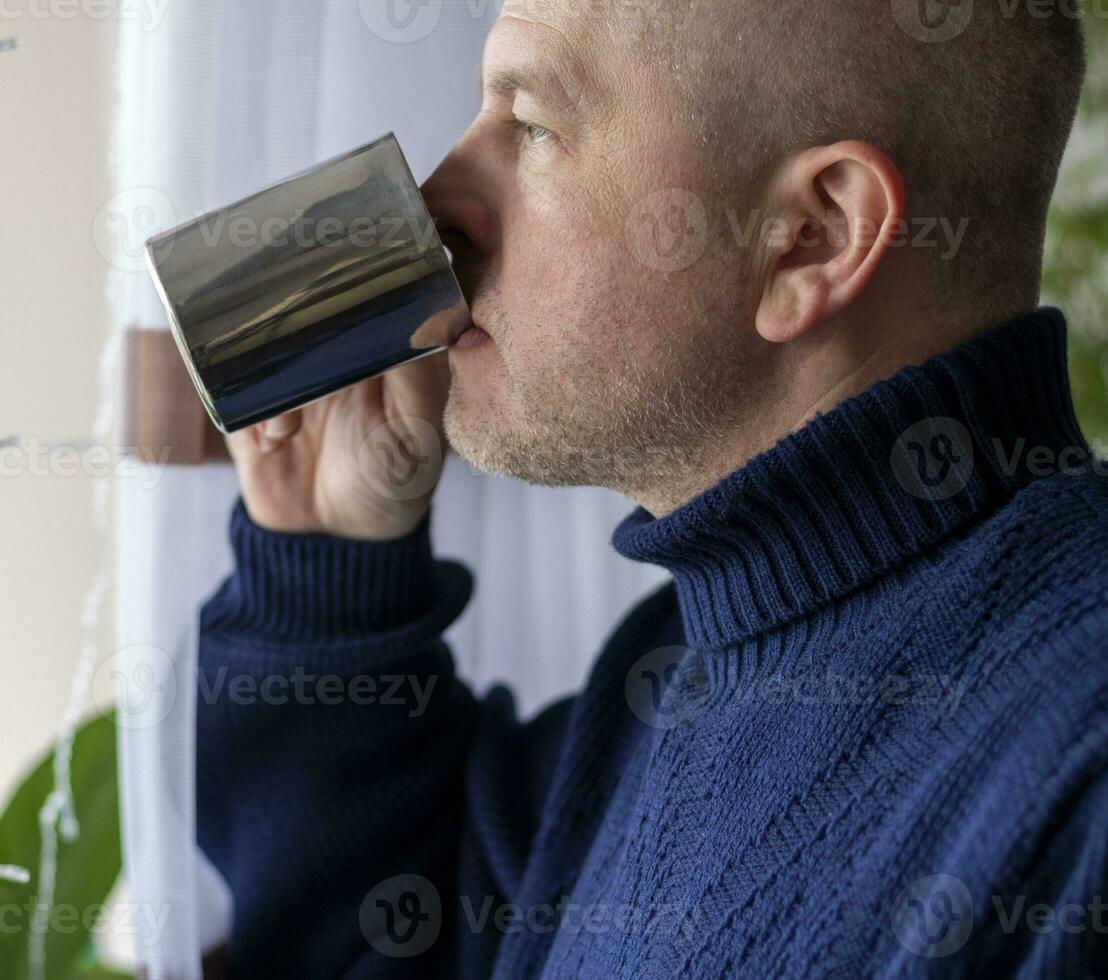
[{"x": 324, "y": 279}]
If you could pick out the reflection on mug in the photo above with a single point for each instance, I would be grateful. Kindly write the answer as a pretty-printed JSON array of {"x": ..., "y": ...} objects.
[
  {"x": 318, "y": 282},
  {"x": 441, "y": 328}
]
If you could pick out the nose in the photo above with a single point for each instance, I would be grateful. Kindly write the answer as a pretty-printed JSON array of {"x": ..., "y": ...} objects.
[{"x": 461, "y": 197}]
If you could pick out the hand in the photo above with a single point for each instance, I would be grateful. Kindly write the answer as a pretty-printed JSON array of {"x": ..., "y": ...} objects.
[{"x": 362, "y": 463}]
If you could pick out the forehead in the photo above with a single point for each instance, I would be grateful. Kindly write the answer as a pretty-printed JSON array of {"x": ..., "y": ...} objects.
[
  {"x": 548, "y": 11},
  {"x": 593, "y": 46},
  {"x": 551, "y": 29},
  {"x": 584, "y": 20}
]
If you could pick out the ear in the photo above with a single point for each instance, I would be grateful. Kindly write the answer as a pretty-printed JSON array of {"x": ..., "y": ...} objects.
[{"x": 839, "y": 208}]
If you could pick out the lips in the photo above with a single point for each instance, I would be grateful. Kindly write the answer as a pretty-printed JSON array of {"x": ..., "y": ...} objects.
[{"x": 462, "y": 328}]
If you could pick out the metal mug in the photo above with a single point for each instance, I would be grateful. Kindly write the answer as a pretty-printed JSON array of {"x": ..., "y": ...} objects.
[{"x": 331, "y": 276}]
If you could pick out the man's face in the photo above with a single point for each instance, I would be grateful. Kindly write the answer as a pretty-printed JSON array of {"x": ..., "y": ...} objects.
[{"x": 580, "y": 223}]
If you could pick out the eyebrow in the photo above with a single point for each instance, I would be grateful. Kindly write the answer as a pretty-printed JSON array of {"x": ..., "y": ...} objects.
[{"x": 510, "y": 80}]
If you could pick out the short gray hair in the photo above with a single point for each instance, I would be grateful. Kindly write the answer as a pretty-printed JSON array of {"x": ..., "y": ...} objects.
[{"x": 977, "y": 123}]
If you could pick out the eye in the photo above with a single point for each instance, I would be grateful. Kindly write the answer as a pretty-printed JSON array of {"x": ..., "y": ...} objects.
[{"x": 532, "y": 133}]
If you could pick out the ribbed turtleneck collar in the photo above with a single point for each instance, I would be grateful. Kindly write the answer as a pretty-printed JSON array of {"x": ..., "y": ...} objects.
[{"x": 863, "y": 488}]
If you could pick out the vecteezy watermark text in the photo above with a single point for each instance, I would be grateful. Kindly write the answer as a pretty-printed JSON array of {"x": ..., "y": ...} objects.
[
  {"x": 934, "y": 916},
  {"x": 147, "y": 13},
  {"x": 939, "y": 690},
  {"x": 403, "y": 916},
  {"x": 409, "y": 691},
  {"x": 30, "y": 456},
  {"x": 138, "y": 687},
  {"x": 146, "y": 923},
  {"x": 669, "y": 231},
  {"x": 935, "y": 21}
]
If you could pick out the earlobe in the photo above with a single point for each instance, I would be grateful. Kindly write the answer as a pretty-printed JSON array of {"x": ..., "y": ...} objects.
[
  {"x": 845, "y": 200},
  {"x": 791, "y": 306}
]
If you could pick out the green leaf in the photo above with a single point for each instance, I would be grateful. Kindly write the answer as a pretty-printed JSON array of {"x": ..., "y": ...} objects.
[
  {"x": 87, "y": 868},
  {"x": 99, "y": 973},
  {"x": 1075, "y": 275}
]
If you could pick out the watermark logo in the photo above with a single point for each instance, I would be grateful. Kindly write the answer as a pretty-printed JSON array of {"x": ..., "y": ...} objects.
[
  {"x": 124, "y": 223},
  {"x": 387, "y": 232},
  {"x": 941, "y": 691},
  {"x": 401, "y": 21},
  {"x": 1041, "y": 919},
  {"x": 933, "y": 21},
  {"x": 31, "y": 456},
  {"x": 664, "y": 689},
  {"x": 145, "y": 924},
  {"x": 138, "y": 687},
  {"x": 933, "y": 459},
  {"x": 677, "y": 923},
  {"x": 402, "y": 916},
  {"x": 148, "y": 14},
  {"x": 409, "y": 693},
  {"x": 668, "y": 231},
  {"x": 402, "y": 459},
  {"x": 941, "y": 234},
  {"x": 139, "y": 684},
  {"x": 1044, "y": 461},
  {"x": 933, "y": 916}
]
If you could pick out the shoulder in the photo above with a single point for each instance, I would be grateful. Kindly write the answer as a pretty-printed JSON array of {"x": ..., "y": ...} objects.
[
  {"x": 1042, "y": 559},
  {"x": 1024, "y": 599},
  {"x": 1065, "y": 516}
]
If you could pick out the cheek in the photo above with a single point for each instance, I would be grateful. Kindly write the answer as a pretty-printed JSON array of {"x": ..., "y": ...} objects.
[
  {"x": 571, "y": 284},
  {"x": 559, "y": 264},
  {"x": 571, "y": 303}
]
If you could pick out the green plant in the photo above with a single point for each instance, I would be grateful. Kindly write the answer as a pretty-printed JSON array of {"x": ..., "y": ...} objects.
[
  {"x": 87, "y": 868},
  {"x": 1075, "y": 275}
]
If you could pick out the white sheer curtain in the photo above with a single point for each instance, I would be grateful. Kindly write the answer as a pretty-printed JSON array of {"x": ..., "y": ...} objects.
[{"x": 215, "y": 99}]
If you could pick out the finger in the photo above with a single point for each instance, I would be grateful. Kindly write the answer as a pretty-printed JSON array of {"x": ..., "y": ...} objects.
[
  {"x": 282, "y": 427},
  {"x": 419, "y": 388},
  {"x": 275, "y": 433},
  {"x": 243, "y": 444},
  {"x": 265, "y": 437}
]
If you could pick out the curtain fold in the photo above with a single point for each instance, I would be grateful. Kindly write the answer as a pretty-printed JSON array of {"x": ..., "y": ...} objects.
[{"x": 216, "y": 101}]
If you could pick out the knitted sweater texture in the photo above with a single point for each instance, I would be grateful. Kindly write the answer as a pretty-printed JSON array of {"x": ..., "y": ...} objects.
[{"x": 863, "y": 731}]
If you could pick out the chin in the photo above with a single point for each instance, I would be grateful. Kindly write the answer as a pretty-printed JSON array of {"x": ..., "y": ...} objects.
[
  {"x": 467, "y": 426},
  {"x": 478, "y": 437}
]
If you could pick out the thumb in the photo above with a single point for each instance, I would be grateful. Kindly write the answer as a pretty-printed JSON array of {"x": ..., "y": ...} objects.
[{"x": 265, "y": 437}]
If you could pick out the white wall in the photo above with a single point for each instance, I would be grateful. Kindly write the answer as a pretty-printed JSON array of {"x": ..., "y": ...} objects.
[{"x": 54, "y": 119}]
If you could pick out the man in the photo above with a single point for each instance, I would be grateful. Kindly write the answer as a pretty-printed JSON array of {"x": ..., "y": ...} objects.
[{"x": 770, "y": 269}]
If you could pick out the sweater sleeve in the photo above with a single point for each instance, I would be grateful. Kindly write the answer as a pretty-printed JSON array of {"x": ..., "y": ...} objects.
[
  {"x": 1056, "y": 923},
  {"x": 333, "y": 744}
]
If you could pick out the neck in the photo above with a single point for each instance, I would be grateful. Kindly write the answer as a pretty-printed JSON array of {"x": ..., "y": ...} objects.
[
  {"x": 883, "y": 477},
  {"x": 811, "y": 375}
]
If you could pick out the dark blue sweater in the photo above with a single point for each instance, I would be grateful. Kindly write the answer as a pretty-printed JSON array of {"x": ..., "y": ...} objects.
[{"x": 863, "y": 733}]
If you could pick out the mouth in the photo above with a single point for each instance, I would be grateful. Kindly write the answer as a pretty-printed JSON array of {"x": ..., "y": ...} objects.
[{"x": 468, "y": 335}]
